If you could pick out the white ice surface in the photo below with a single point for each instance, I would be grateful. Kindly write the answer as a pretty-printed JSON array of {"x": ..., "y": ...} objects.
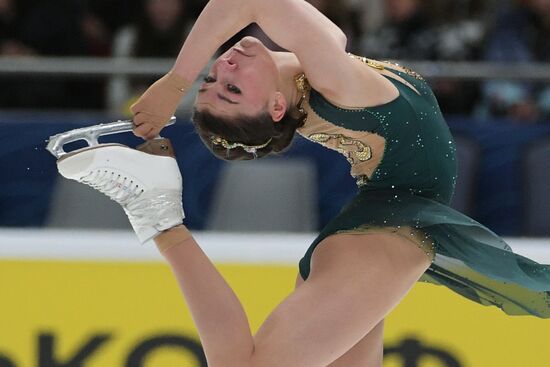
[
  {"x": 221, "y": 247},
  {"x": 124, "y": 246}
]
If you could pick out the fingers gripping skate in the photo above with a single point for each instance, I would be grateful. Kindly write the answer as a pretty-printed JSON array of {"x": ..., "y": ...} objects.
[{"x": 146, "y": 182}]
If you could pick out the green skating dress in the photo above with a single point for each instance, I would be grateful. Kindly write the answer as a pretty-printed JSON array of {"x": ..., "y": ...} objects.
[{"x": 403, "y": 157}]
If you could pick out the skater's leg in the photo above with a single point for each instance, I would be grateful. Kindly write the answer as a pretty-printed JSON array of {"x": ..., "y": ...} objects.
[
  {"x": 222, "y": 324},
  {"x": 355, "y": 281},
  {"x": 369, "y": 352}
]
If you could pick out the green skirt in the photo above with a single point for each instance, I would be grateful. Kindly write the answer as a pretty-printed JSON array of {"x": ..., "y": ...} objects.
[{"x": 469, "y": 258}]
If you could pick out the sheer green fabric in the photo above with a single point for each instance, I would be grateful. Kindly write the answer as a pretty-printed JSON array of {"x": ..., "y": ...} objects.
[{"x": 413, "y": 186}]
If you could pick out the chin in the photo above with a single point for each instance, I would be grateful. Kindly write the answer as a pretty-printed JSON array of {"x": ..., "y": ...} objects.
[{"x": 249, "y": 41}]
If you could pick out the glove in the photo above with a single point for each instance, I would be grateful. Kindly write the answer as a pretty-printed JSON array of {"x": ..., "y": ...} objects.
[{"x": 157, "y": 105}]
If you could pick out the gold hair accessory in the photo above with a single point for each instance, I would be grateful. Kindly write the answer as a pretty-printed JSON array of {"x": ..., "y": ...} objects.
[{"x": 216, "y": 140}]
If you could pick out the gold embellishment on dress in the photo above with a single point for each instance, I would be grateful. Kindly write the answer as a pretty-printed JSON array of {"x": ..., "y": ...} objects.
[
  {"x": 303, "y": 87},
  {"x": 363, "y": 152},
  {"x": 372, "y": 63},
  {"x": 301, "y": 83},
  {"x": 406, "y": 70},
  {"x": 375, "y": 65},
  {"x": 416, "y": 236},
  {"x": 362, "y": 181},
  {"x": 354, "y": 150},
  {"x": 379, "y": 65}
]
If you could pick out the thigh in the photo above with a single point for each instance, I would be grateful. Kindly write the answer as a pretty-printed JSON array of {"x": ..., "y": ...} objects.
[
  {"x": 356, "y": 280},
  {"x": 369, "y": 352}
]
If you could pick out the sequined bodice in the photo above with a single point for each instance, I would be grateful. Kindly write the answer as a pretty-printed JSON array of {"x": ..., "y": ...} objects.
[{"x": 386, "y": 145}]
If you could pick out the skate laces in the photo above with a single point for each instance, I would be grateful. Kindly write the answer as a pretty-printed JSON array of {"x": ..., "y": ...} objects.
[
  {"x": 116, "y": 186},
  {"x": 145, "y": 208}
]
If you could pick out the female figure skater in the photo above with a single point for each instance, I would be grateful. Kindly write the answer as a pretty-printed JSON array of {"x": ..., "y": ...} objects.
[{"x": 399, "y": 228}]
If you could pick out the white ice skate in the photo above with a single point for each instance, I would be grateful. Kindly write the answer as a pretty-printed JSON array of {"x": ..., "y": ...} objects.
[{"x": 145, "y": 181}]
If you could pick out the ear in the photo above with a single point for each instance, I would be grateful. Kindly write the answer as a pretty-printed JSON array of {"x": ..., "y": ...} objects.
[{"x": 277, "y": 107}]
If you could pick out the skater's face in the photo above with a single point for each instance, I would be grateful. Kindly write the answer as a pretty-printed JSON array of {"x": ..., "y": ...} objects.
[{"x": 242, "y": 81}]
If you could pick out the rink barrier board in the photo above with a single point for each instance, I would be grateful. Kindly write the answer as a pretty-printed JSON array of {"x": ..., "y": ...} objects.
[{"x": 114, "y": 302}]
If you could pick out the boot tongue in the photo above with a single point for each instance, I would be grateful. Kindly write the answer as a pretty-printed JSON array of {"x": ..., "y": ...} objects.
[{"x": 161, "y": 146}]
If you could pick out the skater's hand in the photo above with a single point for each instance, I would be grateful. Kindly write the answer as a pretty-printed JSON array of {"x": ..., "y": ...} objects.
[{"x": 157, "y": 105}]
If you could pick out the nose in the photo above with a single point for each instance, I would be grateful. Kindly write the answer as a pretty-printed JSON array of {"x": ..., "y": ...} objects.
[{"x": 229, "y": 63}]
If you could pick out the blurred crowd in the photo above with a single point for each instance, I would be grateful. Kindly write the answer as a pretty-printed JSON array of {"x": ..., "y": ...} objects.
[{"x": 450, "y": 30}]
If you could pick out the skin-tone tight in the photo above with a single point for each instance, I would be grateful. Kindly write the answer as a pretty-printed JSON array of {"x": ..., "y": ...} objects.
[
  {"x": 369, "y": 352},
  {"x": 335, "y": 318}
]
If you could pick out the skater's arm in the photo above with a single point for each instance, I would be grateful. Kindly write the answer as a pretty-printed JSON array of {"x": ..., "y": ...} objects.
[
  {"x": 220, "y": 319},
  {"x": 294, "y": 24},
  {"x": 219, "y": 21}
]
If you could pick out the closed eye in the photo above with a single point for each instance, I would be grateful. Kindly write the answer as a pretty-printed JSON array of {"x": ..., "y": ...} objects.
[
  {"x": 232, "y": 89},
  {"x": 209, "y": 79}
]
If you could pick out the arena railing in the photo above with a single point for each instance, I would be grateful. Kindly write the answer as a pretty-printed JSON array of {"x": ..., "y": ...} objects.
[{"x": 85, "y": 67}]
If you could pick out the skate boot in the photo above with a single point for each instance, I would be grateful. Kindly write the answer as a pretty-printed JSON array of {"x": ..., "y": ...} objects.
[{"x": 145, "y": 181}]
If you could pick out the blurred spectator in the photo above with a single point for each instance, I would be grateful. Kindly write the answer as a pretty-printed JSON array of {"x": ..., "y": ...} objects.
[
  {"x": 10, "y": 45},
  {"x": 344, "y": 15},
  {"x": 10, "y": 42},
  {"x": 521, "y": 34},
  {"x": 431, "y": 30},
  {"x": 159, "y": 32},
  {"x": 427, "y": 30},
  {"x": 51, "y": 28},
  {"x": 408, "y": 33},
  {"x": 338, "y": 11},
  {"x": 96, "y": 33},
  {"x": 113, "y": 15},
  {"x": 371, "y": 13}
]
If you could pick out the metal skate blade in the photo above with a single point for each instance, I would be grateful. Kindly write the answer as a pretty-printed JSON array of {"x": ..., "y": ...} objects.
[{"x": 90, "y": 134}]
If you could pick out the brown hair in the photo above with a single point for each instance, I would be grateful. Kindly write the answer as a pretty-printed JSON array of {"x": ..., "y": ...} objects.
[{"x": 248, "y": 130}]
